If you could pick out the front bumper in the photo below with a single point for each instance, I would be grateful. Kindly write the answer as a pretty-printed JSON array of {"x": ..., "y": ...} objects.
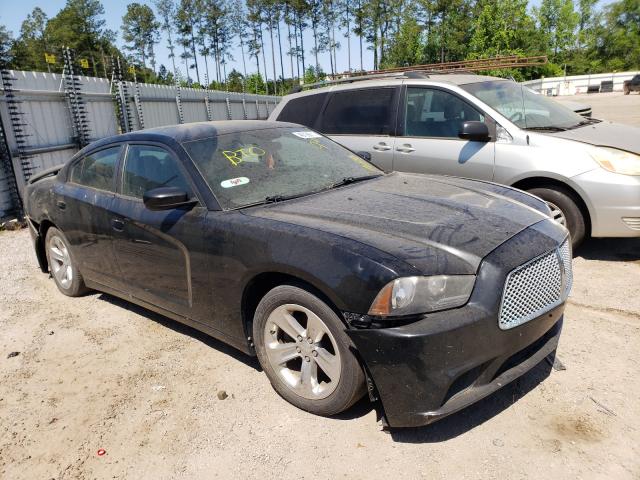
[
  {"x": 614, "y": 202},
  {"x": 448, "y": 360}
]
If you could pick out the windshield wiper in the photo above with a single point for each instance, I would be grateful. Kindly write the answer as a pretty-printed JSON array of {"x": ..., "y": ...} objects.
[
  {"x": 548, "y": 128},
  {"x": 588, "y": 121},
  {"x": 348, "y": 180},
  {"x": 281, "y": 198}
]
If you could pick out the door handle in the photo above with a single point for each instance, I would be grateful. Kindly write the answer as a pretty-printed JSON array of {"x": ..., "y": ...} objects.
[
  {"x": 61, "y": 205},
  {"x": 406, "y": 148},
  {"x": 117, "y": 224},
  {"x": 381, "y": 147}
]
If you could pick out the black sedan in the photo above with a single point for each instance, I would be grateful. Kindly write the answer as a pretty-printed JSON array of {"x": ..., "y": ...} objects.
[{"x": 428, "y": 292}]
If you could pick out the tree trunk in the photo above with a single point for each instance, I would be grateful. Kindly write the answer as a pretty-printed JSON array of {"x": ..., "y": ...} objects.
[
  {"x": 244, "y": 63},
  {"x": 273, "y": 57},
  {"x": 255, "y": 39},
  {"x": 264, "y": 62},
  {"x": 315, "y": 45},
  {"x": 195, "y": 57},
  {"x": 280, "y": 49},
  {"x": 300, "y": 30},
  {"x": 173, "y": 56},
  {"x": 290, "y": 50},
  {"x": 348, "y": 36}
]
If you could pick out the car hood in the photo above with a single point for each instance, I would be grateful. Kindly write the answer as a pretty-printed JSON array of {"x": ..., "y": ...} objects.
[
  {"x": 436, "y": 224},
  {"x": 605, "y": 134}
]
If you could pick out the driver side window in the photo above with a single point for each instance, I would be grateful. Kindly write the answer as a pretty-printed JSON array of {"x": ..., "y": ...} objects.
[
  {"x": 436, "y": 113},
  {"x": 147, "y": 167}
]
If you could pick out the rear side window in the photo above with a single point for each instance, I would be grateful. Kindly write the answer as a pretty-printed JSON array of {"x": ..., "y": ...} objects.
[
  {"x": 97, "y": 170},
  {"x": 148, "y": 167},
  {"x": 303, "y": 110},
  {"x": 359, "y": 112}
]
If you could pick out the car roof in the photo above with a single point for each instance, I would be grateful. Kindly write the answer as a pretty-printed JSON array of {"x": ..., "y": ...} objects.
[
  {"x": 189, "y": 131},
  {"x": 431, "y": 79}
]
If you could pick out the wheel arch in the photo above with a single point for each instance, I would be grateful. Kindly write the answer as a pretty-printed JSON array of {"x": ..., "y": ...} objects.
[
  {"x": 548, "y": 182},
  {"x": 42, "y": 228},
  {"x": 258, "y": 286}
]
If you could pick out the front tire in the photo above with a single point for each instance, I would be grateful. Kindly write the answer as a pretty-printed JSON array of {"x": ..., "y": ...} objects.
[
  {"x": 302, "y": 348},
  {"x": 565, "y": 211},
  {"x": 62, "y": 266}
]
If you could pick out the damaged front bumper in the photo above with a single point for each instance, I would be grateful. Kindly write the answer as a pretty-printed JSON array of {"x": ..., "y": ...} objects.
[{"x": 442, "y": 362}]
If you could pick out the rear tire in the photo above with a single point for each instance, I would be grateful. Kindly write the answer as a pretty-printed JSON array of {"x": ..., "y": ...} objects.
[
  {"x": 62, "y": 265},
  {"x": 567, "y": 211},
  {"x": 303, "y": 350}
]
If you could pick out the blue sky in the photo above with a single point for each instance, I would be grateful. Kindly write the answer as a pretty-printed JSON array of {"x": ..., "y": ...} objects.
[{"x": 12, "y": 15}]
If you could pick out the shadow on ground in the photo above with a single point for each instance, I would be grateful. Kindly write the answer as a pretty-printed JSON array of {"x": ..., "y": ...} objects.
[
  {"x": 445, "y": 429},
  {"x": 610, "y": 249},
  {"x": 183, "y": 330}
]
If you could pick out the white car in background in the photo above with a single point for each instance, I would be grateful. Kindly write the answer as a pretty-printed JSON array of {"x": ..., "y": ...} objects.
[{"x": 485, "y": 128}]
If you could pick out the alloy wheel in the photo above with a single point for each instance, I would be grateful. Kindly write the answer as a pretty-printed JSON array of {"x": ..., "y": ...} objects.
[
  {"x": 60, "y": 262},
  {"x": 302, "y": 351},
  {"x": 557, "y": 214}
]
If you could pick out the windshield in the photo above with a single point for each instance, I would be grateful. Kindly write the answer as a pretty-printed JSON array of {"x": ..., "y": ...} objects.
[
  {"x": 245, "y": 168},
  {"x": 523, "y": 106}
]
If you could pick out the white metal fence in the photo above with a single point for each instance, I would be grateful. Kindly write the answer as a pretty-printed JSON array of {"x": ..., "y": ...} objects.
[
  {"x": 573, "y": 84},
  {"x": 42, "y": 124}
]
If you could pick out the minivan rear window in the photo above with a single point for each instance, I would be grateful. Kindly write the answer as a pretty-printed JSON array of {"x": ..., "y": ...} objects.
[
  {"x": 359, "y": 112},
  {"x": 303, "y": 110}
]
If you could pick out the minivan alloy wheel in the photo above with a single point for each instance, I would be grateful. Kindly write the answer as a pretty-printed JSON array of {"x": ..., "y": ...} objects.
[
  {"x": 302, "y": 351},
  {"x": 557, "y": 214},
  {"x": 60, "y": 262}
]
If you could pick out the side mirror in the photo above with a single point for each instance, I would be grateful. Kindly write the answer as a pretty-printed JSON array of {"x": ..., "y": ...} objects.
[
  {"x": 365, "y": 155},
  {"x": 474, "y": 131},
  {"x": 165, "y": 198}
]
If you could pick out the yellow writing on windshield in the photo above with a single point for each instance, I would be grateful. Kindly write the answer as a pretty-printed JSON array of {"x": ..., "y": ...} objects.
[
  {"x": 248, "y": 153},
  {"x": 316, "y": 142},
  {"x": 362, "y": 162}
]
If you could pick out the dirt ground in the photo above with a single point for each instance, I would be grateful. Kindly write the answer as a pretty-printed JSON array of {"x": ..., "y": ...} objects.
[{"x": 98, "y": 373}]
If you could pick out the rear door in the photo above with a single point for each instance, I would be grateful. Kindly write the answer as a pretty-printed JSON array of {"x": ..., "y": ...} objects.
[
  {"x": 155, "y": 250},
  {"x": 363, "y": 120},
  {"x": 82, "y": 206},
  {"x": 428, "y": 141}
]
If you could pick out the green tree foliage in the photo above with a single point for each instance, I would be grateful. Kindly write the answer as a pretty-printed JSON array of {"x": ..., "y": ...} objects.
[
  {"x": 79, "y": 26},
  {"x": 313, "y": 74},
  {"x": 30, "y": 51},
  {"x": 185, "y": 20},
  {"x": 578, "y": 36},
  {"x": 406, "y": 47},
  {"x": 6, "y": 42},
  {"x": 557, "y": 21},
  {"x": 167, "y": 10},
  {"x": 140, "y": 32},
  {"x": 255, "y": 84},
  {"x": 618, "y": 45}
]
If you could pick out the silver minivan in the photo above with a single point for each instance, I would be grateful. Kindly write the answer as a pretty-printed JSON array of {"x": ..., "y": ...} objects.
[{"x": 490, "y": 129}]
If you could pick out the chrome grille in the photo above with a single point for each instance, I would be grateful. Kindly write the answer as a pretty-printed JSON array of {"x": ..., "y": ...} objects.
[
  {"x": 536, "y": 287},
  {"x": 566, "y": 255}
]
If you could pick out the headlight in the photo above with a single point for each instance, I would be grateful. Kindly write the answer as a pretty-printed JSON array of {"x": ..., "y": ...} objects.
[
  {"x": 616, "y": 161},
  {"x": 411, "y": 295}
]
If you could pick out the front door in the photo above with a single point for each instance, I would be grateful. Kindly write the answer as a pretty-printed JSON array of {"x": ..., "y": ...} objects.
[
  {"x": 429, "y": 142},
  {"x": 363, "y": 120},
  {"x": 155, "y": 249}
]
